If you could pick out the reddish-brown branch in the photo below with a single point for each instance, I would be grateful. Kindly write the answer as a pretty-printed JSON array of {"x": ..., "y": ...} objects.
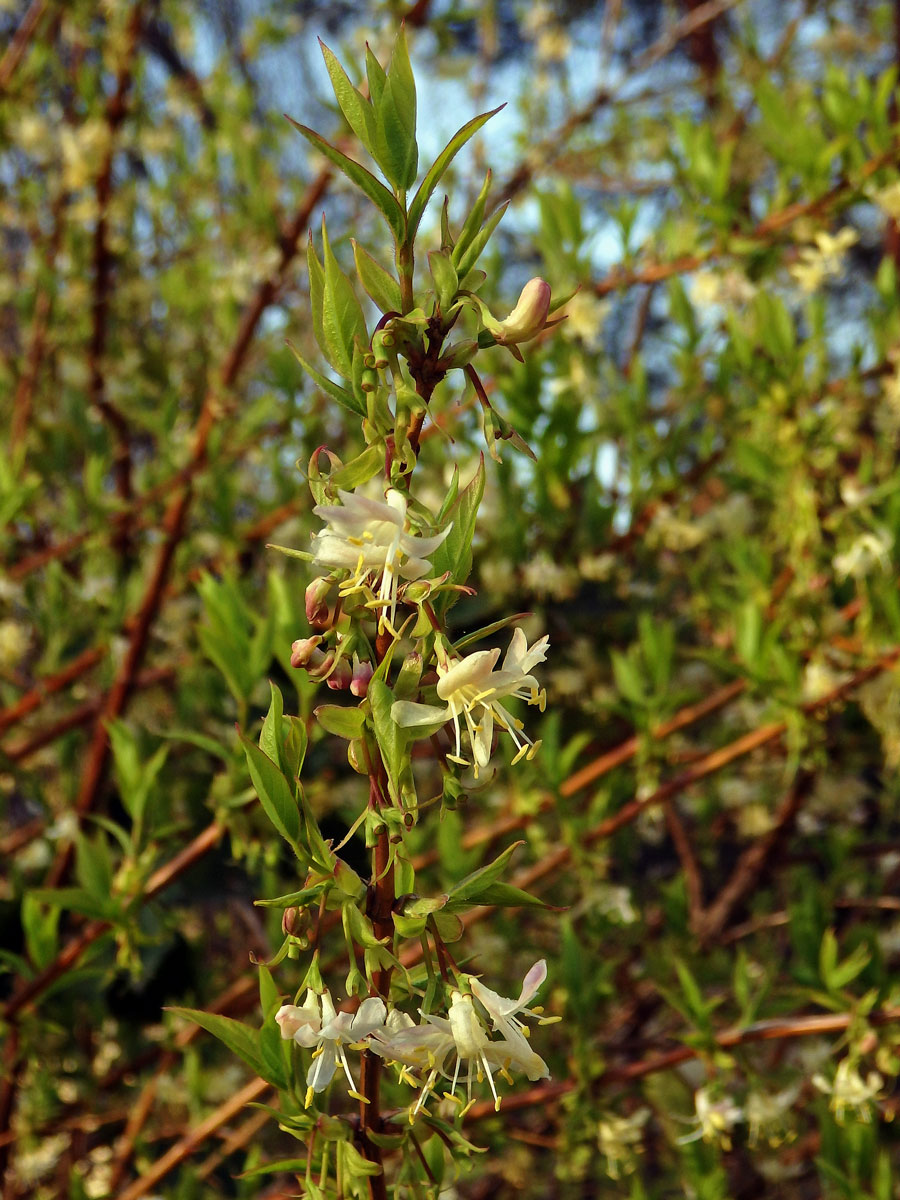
[
  {"x": 753, "y": 861},
  {"x": 80, "y": 715},
  {"x": 49, "y": 685},
  {"x": 19, "y": 44},
  {"x": 689, "y": 865},
  {"x": 187, "y": 1145}
]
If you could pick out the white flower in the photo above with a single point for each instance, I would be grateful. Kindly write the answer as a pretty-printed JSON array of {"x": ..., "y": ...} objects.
[
  {"x": 316, "y": 1023},
  {"x": 619, "y": 1139},
  {"x": 504, "y": 1019},
  {"x": 372, "y": 539},
  {"x": 462, "y": 1036},
  {"x": 824, "y": 259},
  {"x": 715, "y": 1119},
  {"x": 850, "y": 1091},
  {"x": 869, "y": 550},
  {"x": 472, "y": 689}
]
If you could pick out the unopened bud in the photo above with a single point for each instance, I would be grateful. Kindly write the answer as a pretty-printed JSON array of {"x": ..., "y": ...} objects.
[
  {"x": 294, "y": 921},
  {"x": 362, "y": 673},
  {"x": 529, "y": 316},
  {"x": 339, "y": 679},
  {"x": 317, "y": 612},
  {"x": 416, "y": 592},
  {"x": 303, "y": 651}
]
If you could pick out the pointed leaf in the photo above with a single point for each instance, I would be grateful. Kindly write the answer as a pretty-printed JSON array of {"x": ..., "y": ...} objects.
[
  {"x": 329, "y": 387},
  {"x": 340, "y": 720},
  {"x": 364, "y": 180},
  {"x": 355, "y": 107},
  {"x": 380, "y": 284},
  {"x": 275, "y": 794},
  {"x": 468, "y": 890},
  {"x": 342, "y": 316},
  {"x": 440, "y": 165},
  {"x": 239, "y": 1038}
]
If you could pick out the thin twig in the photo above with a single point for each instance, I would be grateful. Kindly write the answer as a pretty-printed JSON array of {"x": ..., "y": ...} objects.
[{"x": 254, "y": 1090}]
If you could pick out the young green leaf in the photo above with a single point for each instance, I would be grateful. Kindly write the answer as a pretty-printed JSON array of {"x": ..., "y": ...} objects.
[
  {"x": 440, "y": 165},
  {"x": 275, "y": 795},
  {"x": 364, "y": 180},
  {"x": 396, "y": 151},
  {"x": 342, "y": 315},
  {"x": 239, "y": 1038},
  {"x": 380, "y": 285},
  {"x": 354, "y": 106},
  {"x": 469, "y": 890},
  {"x": 341, "y": 721},
  {"x": 375, "y": 76},
  {"x": 345, "y": 398},
  {"x": 455, "y": 552},
  {"x": 465, "y": 258}
]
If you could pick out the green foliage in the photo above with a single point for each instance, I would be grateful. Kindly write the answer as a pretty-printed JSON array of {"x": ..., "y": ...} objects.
[{"x": 707, "y": 531}]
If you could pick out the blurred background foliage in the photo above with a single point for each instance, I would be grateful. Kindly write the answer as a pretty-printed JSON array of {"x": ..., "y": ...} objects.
[{"x": 708, "y": 534}]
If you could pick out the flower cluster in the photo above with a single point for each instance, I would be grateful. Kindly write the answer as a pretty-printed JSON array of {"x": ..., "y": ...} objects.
[{"x": 461, "y": 1040}]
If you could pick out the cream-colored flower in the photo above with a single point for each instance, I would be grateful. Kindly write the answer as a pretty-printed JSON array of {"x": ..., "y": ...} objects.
[
  {"x": 620, "y": 1139},
  {"x": 716, "y": 1117},
  {"x": 374, "y": 541},
  {"x": 824, "y": 259},
  {"x": 316, "y": 1023},
  {"x": 431, "y": 1047},
  {"x": 849, "y": 1091},
  {"x": 472, "y": 689}
]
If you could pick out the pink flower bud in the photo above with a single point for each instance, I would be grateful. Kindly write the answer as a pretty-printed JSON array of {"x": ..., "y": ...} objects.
[
  {"x": 317, "y": 612},
  {"x": 339, "y": 679},
  {"x": 529, "y": 316},
  {"x": 303, "y": 651},
  {"x": 362, "y": 673}
]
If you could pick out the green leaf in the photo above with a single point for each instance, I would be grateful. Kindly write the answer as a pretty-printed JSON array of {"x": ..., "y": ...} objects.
[
  {"x": 440, "y": 165},
  {"x": 270, "y": 735},
  {"x": 275, "y": 794},
  {"x": 342, "y": 315},
  {"x": 297, "y": 899},
  {"x": 239, "y": 1038},
  {"x": 379, "y": 284},
  {"x": 504, "y": 895},
  {"x": 288, "y": 1166},
  {"x": 364, "y": 180},
  {"x": 455, "y": 553},
  {"x": 354, "y": 106},
  {"x": 395, "y": 149},
  {"x": 79, "y": 900},
  {"x": 343, "y": 397},
  {"x": 468, "y": 890},
  {"x": 360, "y": 469},
  {"x": 444, "y": 275},
  {"x": 465, "y": 260},
  {"x": 376, "y": 76},
  {"x": 39, "y": 926},
  {"x": 392, "y": 740},
  {"x": 342, "y": 721},
  {"x": 93, "y": 867}
]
